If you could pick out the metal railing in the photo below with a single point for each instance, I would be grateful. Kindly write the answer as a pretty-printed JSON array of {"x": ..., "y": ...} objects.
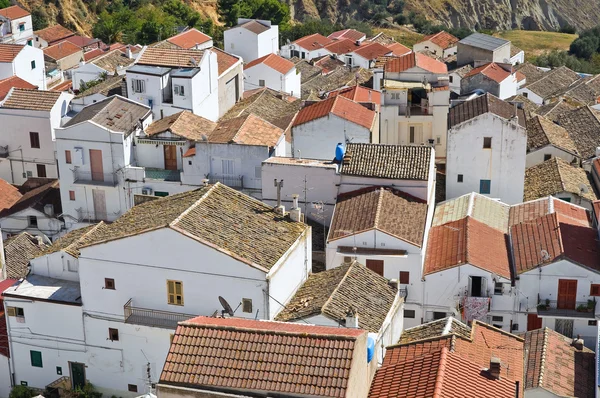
[
  {"x": 155, "y": 318},
  {"x": 93, "y": 178},
  {"x": 162, "y": 174},
  {"x": 89, "y": 216},
  {"x": 230, "y": 181},
  {"x": 581, "y": 309},
  {"x": 413, "y": 110}
]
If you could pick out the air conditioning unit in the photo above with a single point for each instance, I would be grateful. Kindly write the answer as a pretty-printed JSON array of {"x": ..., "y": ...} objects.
[
  {"x": 347, "y": 259},
  {"x": 146, "y": 191}
]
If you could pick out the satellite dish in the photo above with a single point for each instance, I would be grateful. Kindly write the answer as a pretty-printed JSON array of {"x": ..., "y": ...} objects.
[
  {"x": 545, "y": 255},
  {"x": 226, "y": 307},
  {"x": 583, "y": 188}
]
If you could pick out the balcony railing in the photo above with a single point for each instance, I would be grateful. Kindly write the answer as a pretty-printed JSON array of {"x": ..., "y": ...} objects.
[
  {"x": 162, "y": 174},
  {"x": 582, "y": 309},
  {"x": 91, "y": 215},
  {"x": 93, "y": 178},
  {"x": 230, "y": 181},
  {"x": 154, "y": 318},
  {"x": 413, "y": 110}
]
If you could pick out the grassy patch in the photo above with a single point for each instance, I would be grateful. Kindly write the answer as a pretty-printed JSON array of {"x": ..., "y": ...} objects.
[
  {"x": 401, "y": 35},
  {"x": 535, "y": 43}
]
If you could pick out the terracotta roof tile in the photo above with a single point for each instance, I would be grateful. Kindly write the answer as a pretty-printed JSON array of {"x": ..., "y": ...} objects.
[
  {"x": 254, "y": 26},
  {"x": 18, "y": 250},
  {"x": 542, "y": 132},
  {"x": 14, "y": 12},
  {"x": 171, "y": 58},
  {"x": 342, "y": 46},
  {"x": 492, "y": 70},
  {"x": 371, "y": 51},
  {"x": 412, "y": 60},
  {"x": 54, "y": 33},
  {"x": 583, "y": 125},
  {"x": 61, "y": 50},
  {"x": 9, "y": 195},
  {"x": 398, "y": 49},
  {"x": 339, "y": 106},
  {"x": 246, "y": 130},
  {"x": 224, "y": 60},
  {"x": 82, "y": 41},
  {"x": 358, "y": 94},
  {"x": 189, "y": 39},
  {"x": 38, "y": 100},
  {"x": 90, "y": 55},
  {"x": 8, "y": 52},
  {"x": 387, "y": 210},
  {"x": 338, "y": 78},
  {"x": 313, "y": 42},
  {"x": 350, "y": 34},
  {"x": 397, "y": 162},
  {"x": 555, "y": 176},
  {"x": 205, "y": 352},
  {"x": 184, "y": 124},
  {"x": 483, "y": 104},
  {"x": 320, "y": 65},
  {"x": 274, "y": 62},
  {"x": 442, "y": 39},
  {"x": 46, "y": 192}
]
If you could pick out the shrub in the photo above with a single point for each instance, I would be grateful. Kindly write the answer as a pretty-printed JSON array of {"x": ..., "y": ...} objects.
[{"x": 21, "y": 392}]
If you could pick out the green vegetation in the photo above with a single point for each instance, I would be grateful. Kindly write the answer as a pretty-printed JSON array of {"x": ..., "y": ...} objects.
[
  {"x": 4, "y": 3},
  {"x": 536, "y": 43},
  {"x": 274, "y": 10},
  {"x": 21, "y": 392}
]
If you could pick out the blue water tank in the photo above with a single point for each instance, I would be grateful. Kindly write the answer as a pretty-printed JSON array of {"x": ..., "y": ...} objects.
[
  {"x": 370, "y": 348},
  {"x": 339, "y": 152}
]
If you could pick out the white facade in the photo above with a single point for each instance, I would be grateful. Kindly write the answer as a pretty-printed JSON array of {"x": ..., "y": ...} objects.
[
  {"x": 502, "y": 89},
  {"x": 428, "y": 45},
  {"x": 469, "y": 163},
  {"x": 518, "y": 58},
  {"x": 530, "y": 95},
  {"x": 46, "y": 224},
  {"x": 261, "y": 75},
  {"x": 16, "y": 31},
  {"x": 249, "y": 45},
  {"x": 28, "y": 64},
  {"x": 540, "y": 155}
]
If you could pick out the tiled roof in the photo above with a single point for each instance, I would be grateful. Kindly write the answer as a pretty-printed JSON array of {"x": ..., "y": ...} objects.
[
  {"x": 434, "y": 329},
  {"x": 308, "y": 70},
  {"x": 442, "y": 39},
  {"x": 18, "y": 250},
  {"x": 529, "y": 106},
  {"x": 171, "y": 58},
  {"x": 514, "y": 50},
  {"x": 14, "y": 12},
  {"x": 8, "y": 52},
  {"x": 412, "y": 60},
  {"x": 397, "y": 162},
  {"x": 54, "y": 33},
  {"x": 112, "y": 85},
  {"x": 90, "y": 55},
  {"x": 339, "y": 106},
  {"x": 35, "y": 100},
  {"x": 553, "y": 110},
  {"x": 341, "y": 47},
  {"x": 358, "y": 94},
  {"x": 555, "y": 176},
  {"x": 483, "y": 41},
  {"x": 553, "y": 81},
  {"x": 82, "y": 41},
  {"x": 184, "y": 124},
  {"x": 189, "y": 39},
  {"x": 224, "y": 60},
  {"x": 384, "y": 209},
  {"x": 583, "y": 125},
  {"x": 532, "y": 73},
  {"x": 254, "y": 26},
  {"x": 338, "y": 78},
  {"x": 382, "y": 38},
  {"x": 73, "y": 240},
  {"x": 492, "y": 70},
  {"x": 246, "y": 130},
  {"x": 13, "y": 81},
  {"x": 585, "y": 91},
  {"x": 61, "y": 50},
  {"x": 218, "y": 216},
  {"x": 111, "y": 61},
  {"x": 462, "y": 71},
  {"x": 333, "y": 292},
  {"x": 9, "y": 195},
  {"x": 483, "y": 104},
  {"x": 371, "y": 51},
  {"x": 398, "y": 49},
  {"x": 324, "y": 64},
  {"x": 274, "y": 62},
  {"x": 350, "y": 34},
  {"x": 47, "y": 192},
  {"x": 274, "y": 357},
  {"x": 556, "y": 366},
  {"x": 313, "y": 42},
  {"x": 568, "y": 213},
  {"x": 542, "y": 132},
  {"x": 488, "y": 211}
]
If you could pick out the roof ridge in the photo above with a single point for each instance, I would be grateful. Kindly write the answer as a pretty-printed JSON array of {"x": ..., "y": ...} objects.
[
  {"x": 193, "y": 205},
  {"x": 80, "y": 239},
  {"x": 330, "y": 298},
  {"x": 439, "y": 379},
  {"x": 554, "y": 159},
  {"x": 543, "y": 357},
  {"x": 452, "y": 335},
  {"x": 378, "y": 208}
]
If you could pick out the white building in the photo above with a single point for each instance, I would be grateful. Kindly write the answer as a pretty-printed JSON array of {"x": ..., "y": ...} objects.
[
  {"x": 23, "y": 61},
  {"x": 482, "y": 48},
  {"x": 487, "y": 145},
  {"x": 16, "y": 26},
  {"x": 496, "y": 79},
  {"x": 442, "y": 44},
  {"x": 517, "y": 56},
  {"x": 320, "y": 126},
  {"x": 546, "y": 139},
  {"x": 307, "y": 47},
  {"x": 30, "y": 118},
  {"x": 542, "y": 90},
  {"x": 415, "y": 103},
  {"x": 455, "y": 76},
  {"x": 273, "y": 72},
  {"x": 112, "y": 63},
  {"x": 102, "y": 304},
  {"x": 252, "y": 39}
]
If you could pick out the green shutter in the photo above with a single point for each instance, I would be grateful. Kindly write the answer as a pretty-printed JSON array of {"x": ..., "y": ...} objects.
[{"x": 36, "y": 359}]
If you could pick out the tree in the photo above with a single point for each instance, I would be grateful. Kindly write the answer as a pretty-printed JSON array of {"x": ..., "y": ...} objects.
[
  {"x": 21, "y": 392},
  {"x": 39, "y": 18},
  {"x": 4, "y": 3},
  {"x": 108, "y": 28},
  {"x": 584, "y": 47},
  {"x": 156, "y": 25},
  {"x": 274, "y": 10}
]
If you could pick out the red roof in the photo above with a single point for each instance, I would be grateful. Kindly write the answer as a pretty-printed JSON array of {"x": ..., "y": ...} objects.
[
  {"x": 418, "y": 60},
  {"x": 520, "y": 76},
  {"x": 189, "y": 39},
  {"x": 14, "y": 12},
  {"x": 492, "y": 71},
  {"x": 244, "y": 354},
  {"x": 398, "y": 49},
  {"x": 273, "y": 61},
  {"x": 9, "y": 195},
  {"x": 350, "y": 34},
  {"x": 372, "y": 50},
  {"x": 54, "y": 33},
  {"x": 8, "y": 52},
  {"x": 10, "y": 82},
  {"x": 358, "y": 94},
  {"x": 313, "y": 42},
  {"x": 339, "y": 106},
  {"x": 82, "y": 41},
  {"x": 224, "y": 60},
  {"x": 88, "y": 56},
  {"x": 63, "y": 86},
  {"x": 343, "y": 46},
  {"x": 62, "y": 50},
  {"x": 596, "y": 206},
  {"x": 442, "y": 39}
]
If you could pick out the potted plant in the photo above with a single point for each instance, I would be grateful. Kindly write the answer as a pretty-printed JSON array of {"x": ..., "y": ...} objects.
[
  {"x": 542, "y": 307},
  {"x": 582, "y": 308},
  {"x": 591, "y": 305}
]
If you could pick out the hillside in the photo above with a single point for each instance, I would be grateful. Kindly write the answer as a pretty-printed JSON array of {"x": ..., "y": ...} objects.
[{"x": 535, "y": 43}]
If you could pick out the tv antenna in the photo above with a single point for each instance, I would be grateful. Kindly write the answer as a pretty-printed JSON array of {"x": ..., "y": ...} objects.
[{"x": 226, "y": 307}]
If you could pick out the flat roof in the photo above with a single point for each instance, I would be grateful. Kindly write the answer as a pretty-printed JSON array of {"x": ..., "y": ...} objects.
[
  {"x": 485, "y": 42},
  {"x": 300, "y": 162},
  {"x": 185, "y": 72},
  {"x": 149, "y": 70},
  {"x": 37, "y": 287}
]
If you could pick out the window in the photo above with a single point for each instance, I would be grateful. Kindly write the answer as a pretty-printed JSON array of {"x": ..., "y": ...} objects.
[
  {"x": 438, "y": 140},
  {"x": 161, "y": 194},
  {"x": 487, "y": 142},
  {"x": 138, "y": 86},
  {"x": 109, "y": 283},
  {"x": 485, "y": 186},
  {"x": 498, "y": 288},
  {"x": 496, "y": 318},
  {"x": 594, "y": 289},
  {"x": 32, "y": 221},
  {"x": 477, "y": 286},
  {"x": 438, "y": 315},
  {"x": 227, "y": 166},
  {"x": 375, "y": 266},
  {"x": 175, "y": 292},
  {"x": 32, "y": 64},
  {"x": 16, "y": 312},
  {"x": 30, "y": 43},
  {"x": 526, "y": 95},
  {"x": 411, "y": 135},
  {"x": 404, "y": 277},
  {"x": 179, "y": 90},
  {"x": 451, "y": 79},
  {"x": 566, "y": 199},
  {"x": 36, "y": 359},
  {"x": 59, "y": 370},
  {"x": 41, "y": 170},
  {"x": 247, "y": 305},
  {"x": 68, "y": 157},
  {"x": 71, "y": 195},
  {"x": 459, "y": 178},
  {"x": 593, "y": 323},
  {"x": 409, "y": 314},
  {"x": 24, "y": 383},
  {"x": 132, "y": 387},
  {"x": 113, "y": 334},
  {"x": 261, "y": 83},
  {"x": 547, "y": 157},
  {"x": 22, "y": 27},
  {"x": 34, "y": 139},
  {"x": 72, "y": 265}
]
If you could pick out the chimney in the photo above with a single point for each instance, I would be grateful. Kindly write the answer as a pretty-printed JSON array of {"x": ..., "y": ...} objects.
[
  {"x": 578, "y": 343},
  {"x": 598, "y": 151},
  {"x": 352, "y": 318},
  {"x": 495, "y": 367},
  {"x": 128, "y": 52},
  {"x": 295, "y": 213},
  {"x": 393, "y": 283},
  {"x": 205, "y": 181},
  {"x": 279, "y": 209},
  {"x": 49, "y": 210}
]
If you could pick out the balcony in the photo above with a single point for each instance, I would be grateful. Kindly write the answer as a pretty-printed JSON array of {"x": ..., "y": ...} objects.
[
  {"x": 413, "y": 110},
  {"x": 93, "y": 178},
  {"x": 163, "y": 175},
  {"x": 154, "y": 318},
  {"x": 581, "y": 309},
  {"x": 230, "y": 181}
]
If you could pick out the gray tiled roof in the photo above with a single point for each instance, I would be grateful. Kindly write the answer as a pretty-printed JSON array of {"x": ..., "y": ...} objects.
[
  {"x": 437, "y": 328},
  {"x": 532, "y": 73},
  {"x": 398, "y": 162},
  {"x": 542, "y": 131},
  {"x": 553, "y": 82},
  {"x": 483, "y": 41},
  {"x": 583, "y": 125},
  {"x": 481, "y": 105},
  {"x": 553, "y": 110},
  {"x": 18, "y": 250},
  {"x": 555, "y": 176}
]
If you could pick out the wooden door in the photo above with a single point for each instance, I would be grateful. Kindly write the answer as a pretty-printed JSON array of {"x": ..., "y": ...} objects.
[
  {"x": 96, "y": 165},
  {"x": 170, "y": 157},
  {"x": 41, "y": 170},
  {"x": 99, "y": 204},
  {"x": 77, "y": 374},
  {"x": 567, "y": 294},
  {"x": 375, "y": 266},
  {"x": 534, "y": 322}
]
